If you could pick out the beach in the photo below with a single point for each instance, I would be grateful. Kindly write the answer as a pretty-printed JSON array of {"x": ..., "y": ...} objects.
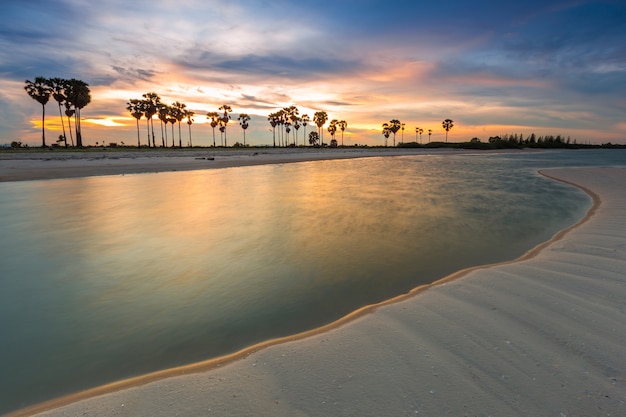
[{"x": 541, "y": 335}]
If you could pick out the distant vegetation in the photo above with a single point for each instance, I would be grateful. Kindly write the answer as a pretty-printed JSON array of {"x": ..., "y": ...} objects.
[{"x": 74, "y": 95}]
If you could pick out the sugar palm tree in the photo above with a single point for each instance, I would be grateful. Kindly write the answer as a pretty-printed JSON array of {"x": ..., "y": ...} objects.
[
  {"x": 320, "y": 119},
  {"x": 402, "y": 137},
  {"x": 430, "y": 132},
  {"x": 57, "y": 89},
  {"x": 172, "y": 120},
  {"x": 213, "y": 115},
  {"x": 342, "y": 125},
  {"x": 78, "y": 96},
  {"x": 447, "y": 125},
  {"x": 40, "y": 91},
  {"x": 178, "y": 112},
  {"x": 243, "y": 121},
  {"x": 189, "y": 115},
  {"x": 305, "y": 121},
  {"x": 152, "y": 103},
  {"x": 272, "y": 118},
  {"x": 69, "y": 113},
  {"x": 226, "y": 109},
  {"x": 332, "y": 128},
  {"x": 134, "y": 106},
  {"x": 163, "y": 114},
  {"x": 386, "y": 132},
  {"x": 394, "y": 126}
]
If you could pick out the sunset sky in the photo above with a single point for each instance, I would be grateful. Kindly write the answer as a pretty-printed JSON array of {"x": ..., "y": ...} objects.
[{"x": 494, "y": 67}]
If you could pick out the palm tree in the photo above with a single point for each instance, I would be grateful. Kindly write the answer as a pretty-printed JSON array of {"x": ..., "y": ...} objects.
[
  {"x": 152, "y": 103},
  {"x": 447, "y": 125},
  {"x": 386, "y": 132},
  {"x": 57, "y": 89},
  {"x": 164, "y": 113},
  {"x": 273, "y": 119},
  {"x": 134, "y": 106},
  {"x": 179, "y": 114},
  {"x": 69, "y": 112},
  {"x": 419, "y": 130},
  {"x": 394, "y": 126},
  {"x": 430, "y": 132},
  {"x": 226, "y": 109},
  {"x": 243, "y": 121},
  {"x": 402, "y": 137},
  {"x": 40, "y": 90},
  {"x": 78, "y": 96},
  {"x": 213, "y": 115},
  {"x": 320, "y": 118},
  {"x": 342, "y": 125},
  {"x": 305, "y": 121},
  {"x": 189, "y": 114},
  {"x": 332, "y": 128},
  {"x": 172, "y": 120}
]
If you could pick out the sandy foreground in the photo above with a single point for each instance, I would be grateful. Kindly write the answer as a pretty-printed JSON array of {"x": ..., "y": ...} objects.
[{"x": 541, "y": 336}]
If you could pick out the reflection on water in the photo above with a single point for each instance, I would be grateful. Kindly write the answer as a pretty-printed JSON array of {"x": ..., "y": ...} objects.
[{"x": 109, "y": 277}]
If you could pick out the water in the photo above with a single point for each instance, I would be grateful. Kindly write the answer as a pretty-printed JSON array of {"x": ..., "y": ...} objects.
[{"x": 105, "y": 278}]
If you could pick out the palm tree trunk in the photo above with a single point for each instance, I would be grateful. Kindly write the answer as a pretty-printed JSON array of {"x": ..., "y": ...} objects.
[
  {"x": 163, "y": 138},
  {"x": 69, "y": 128},
  {"x": 138, "y": 141},
  {"x": 190, "y": 137},
  {"x": 62, "y": 125},
  {"x": 213, "y": 136},
  {"x": 43, "y": 124},
  {"x": 180, "y": 139},
  {"x": 148, "y": 128}
]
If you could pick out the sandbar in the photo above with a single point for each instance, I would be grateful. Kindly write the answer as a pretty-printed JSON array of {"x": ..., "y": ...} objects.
[
  {"x": 40, "y": 164},
  {"x": 541, "y": 335}
]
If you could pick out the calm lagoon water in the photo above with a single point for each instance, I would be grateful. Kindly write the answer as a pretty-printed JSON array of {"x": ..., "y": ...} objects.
[{"x": 105, "y": 278}]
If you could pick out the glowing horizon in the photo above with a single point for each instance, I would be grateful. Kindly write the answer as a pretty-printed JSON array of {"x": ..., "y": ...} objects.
[{"x": 488, "y": 69}]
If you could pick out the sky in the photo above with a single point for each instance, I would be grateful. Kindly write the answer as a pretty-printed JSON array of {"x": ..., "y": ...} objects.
[{"x": 493, "y": 67}]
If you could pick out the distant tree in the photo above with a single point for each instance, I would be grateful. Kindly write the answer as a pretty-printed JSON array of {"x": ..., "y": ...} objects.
[
  {"x": 152, "y": 102},
  {"x": 135, "y": 107},
  {"x": 189, "y": 115},
  {"x": 305, "y": 121},
  {"x": 430, "y": 132},
  {"x": 213, "y": 115},
  {"x": 402, "y": 137},
  {"x": 57, "y": 88},
  {"x": 386, "y": 132},
  {"x": 333, "y": 143},
  {"x": 332, "y": 128},
  {"x": 69, "y": 113},
  {"x": 273, "y": 119},
  {"x": 163, "y": 114},
  {"x": 243, "y": 121},
  {"x": 314, "y": 137},
  {"x": 320, "y": 118},
  {"x": 178, "y": 112},
  {"x": 78, "y": 96},
  {"x": 394, "y": 126},
  {"x": 40, "y": 91},
  {"x": 342, "y": 124},
  {"x": 447, "y": 125},
  {"x": 226, "y": 109}
]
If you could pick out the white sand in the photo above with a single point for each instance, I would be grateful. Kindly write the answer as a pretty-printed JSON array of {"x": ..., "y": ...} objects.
[{"x": 545, "y": 336}]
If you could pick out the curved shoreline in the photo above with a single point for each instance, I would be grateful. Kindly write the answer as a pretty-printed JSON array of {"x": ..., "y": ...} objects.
[{"x": 211, "y": 364}]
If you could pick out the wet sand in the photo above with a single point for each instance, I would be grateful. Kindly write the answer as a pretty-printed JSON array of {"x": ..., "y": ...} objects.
[{"x": 542, "y": 335}]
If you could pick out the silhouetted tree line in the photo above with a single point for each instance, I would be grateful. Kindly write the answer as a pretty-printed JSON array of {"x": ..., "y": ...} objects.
[{"x": 73, "y": 94}]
